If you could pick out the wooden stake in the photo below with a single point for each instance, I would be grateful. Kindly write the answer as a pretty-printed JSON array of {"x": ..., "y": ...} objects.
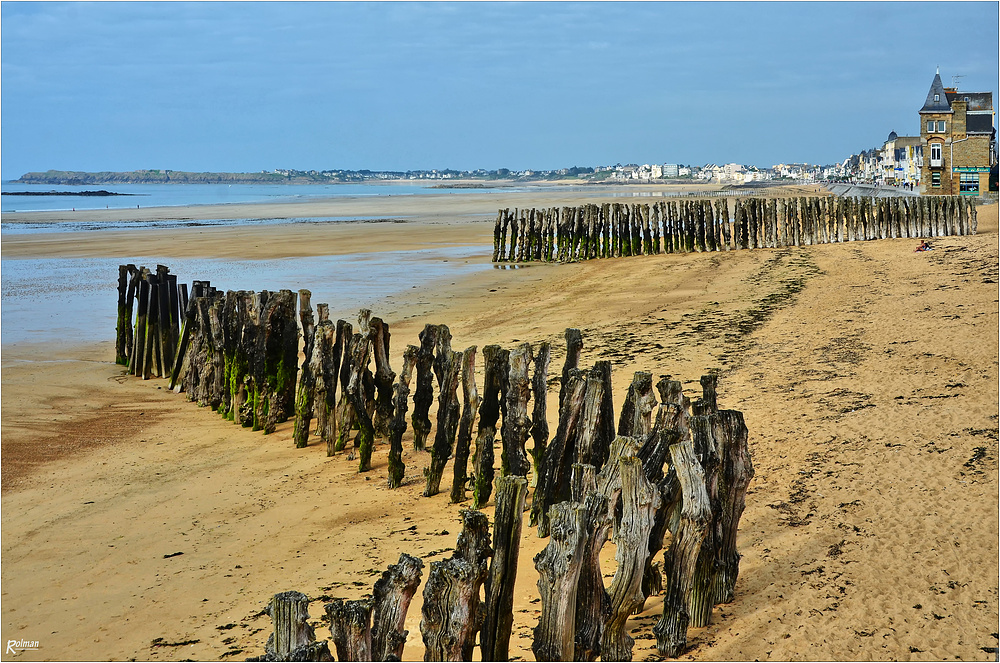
[
  {"x": 559, "y": 567},
  {"x": 391, "y": 596},
  {"x": 499, "y": 616},
  {"x": 682, "y": 556},
  {"x": 495, "y": 371},
  {"x": 401, "y": 392},
  {"x": 516, "y": 423},
  {"x": 640, "y": 499},
  {"x": 470, "y": 399},
  {"x": 350, "y": 629}
]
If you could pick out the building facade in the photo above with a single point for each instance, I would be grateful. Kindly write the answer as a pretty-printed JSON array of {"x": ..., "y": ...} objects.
[{"x": 957, "y": 140}]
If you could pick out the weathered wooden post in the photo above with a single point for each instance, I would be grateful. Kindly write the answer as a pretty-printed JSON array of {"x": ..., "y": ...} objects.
[
  {"x": 635, "y": 419},
  {"x": 655, "y": 226},
  {"x": 150, "y": 365},
  {"x": 558, "y": 566},
  {"x": 350, "y": 628},
  {"x": 401, "y": 392},
  {"x": 452, "y": 613},
  {"x": 681, "y": 558},
  {"x": 640, "y": 500},
  {"x": 289, "y": 612},
  {"x": 539, "y": 422},
  {"x": 735, "y": 472},
  {"x": 383, "y": 377},
  {"x": 554, "y": 478},
  {"x": 307, "y": 381},
  {"x": 424, "y": 394},
  {"x": 334, "y": 342},
  {"x": 470, "y": 398},
  {"x": 495, "y": 361},
  {"x": 391, "y": 601},
  {"x": 359, "y": 352},
  {"x": 496, "y": 237},
  {"x": 121, "y": 354},
  {"x": 499, "y": 616},
  {"x": 591, "y": 447},
  {"x": 592, "y": 602},
  {"x": 700, "y": 602},
  {"x": 516, "y": 424},
  {"x": 137, "y": 365},
  {"x": 447, "y": 422},
  {"x": 574, "y": 346}
]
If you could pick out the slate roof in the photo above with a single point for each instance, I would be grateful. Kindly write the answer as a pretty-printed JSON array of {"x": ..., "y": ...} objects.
[
  {"x": 979, "y": 123},
  {"x": 941, "y": 105},
  {"x": 978, "y": 101}
]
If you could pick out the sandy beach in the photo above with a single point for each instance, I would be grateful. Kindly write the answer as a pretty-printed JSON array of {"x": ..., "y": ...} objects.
[{"x": 867, "y": 374}]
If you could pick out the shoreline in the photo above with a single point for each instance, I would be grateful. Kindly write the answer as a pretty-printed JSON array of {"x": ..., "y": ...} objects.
[{"x": 866, "y": 372}]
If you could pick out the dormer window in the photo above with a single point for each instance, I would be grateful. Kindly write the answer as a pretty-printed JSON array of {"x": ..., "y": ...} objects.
[{"x": 937, "y": 97}]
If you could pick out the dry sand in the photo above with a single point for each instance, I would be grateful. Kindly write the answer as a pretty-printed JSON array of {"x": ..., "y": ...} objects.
[{"x": 867, "y": 374}]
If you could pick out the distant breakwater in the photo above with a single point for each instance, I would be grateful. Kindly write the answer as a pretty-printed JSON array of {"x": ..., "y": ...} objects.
[
  {"x": 99, "y": 193},
  {"x": 683, "y": 226}
]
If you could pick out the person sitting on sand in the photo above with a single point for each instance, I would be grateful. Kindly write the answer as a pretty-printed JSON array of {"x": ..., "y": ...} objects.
[{"x": 923, "y": 246}]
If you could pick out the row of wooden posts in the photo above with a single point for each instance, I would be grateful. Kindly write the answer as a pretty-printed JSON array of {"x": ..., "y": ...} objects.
[
  {"x": 674, "y": 466},
  {"x": 157, "y": 303},
  {"x": 683, "y": 226},
  {"x": 668, "y": 465}
]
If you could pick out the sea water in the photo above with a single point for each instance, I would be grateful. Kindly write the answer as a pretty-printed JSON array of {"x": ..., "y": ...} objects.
[
  {"x": 172, "y": 195},
  {"x": 75, "y": 300}
]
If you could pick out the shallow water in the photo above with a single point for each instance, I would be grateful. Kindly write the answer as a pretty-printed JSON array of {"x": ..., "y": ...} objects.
[{"x": 65, "y": 300}]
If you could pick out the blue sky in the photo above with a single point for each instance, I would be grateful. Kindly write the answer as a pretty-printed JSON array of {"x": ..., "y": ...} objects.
[{"x": 244, "y": 87}]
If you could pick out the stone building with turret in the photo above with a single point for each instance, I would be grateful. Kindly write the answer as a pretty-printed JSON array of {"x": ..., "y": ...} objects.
[{"x": 958, "y": 141}]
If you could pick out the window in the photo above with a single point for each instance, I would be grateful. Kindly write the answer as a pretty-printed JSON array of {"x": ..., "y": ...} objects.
[
  {"x": 936, "y": 178},
  {"x": 940, "y": 126},
  {"x": 936, "y": 155},
  {"x": 968, "y": 183},
  {"x": 930, "y": 126},
  {"x": 937, "y": 97}
]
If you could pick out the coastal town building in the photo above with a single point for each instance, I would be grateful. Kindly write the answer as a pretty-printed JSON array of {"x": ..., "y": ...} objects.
[
  {"x": 670, "y": 170},
  {"x": 899, "y": 161},
  {"x": 958, "y": 141}
]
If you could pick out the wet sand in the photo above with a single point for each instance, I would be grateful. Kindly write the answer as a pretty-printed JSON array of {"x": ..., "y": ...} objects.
[{"x": 867, "y": 374}]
